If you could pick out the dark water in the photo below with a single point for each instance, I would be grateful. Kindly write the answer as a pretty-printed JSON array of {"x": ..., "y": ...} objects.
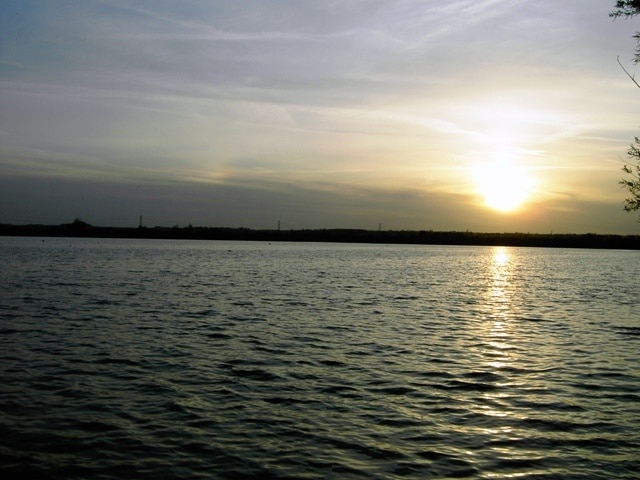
[{"x": 160, "y": 359}]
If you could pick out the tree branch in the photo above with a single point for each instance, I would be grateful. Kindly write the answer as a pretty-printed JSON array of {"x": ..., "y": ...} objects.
[{"x": 632, "y": 77}]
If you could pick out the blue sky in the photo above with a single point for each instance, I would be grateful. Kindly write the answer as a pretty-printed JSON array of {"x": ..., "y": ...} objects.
[{"x": 319, "y": 114}]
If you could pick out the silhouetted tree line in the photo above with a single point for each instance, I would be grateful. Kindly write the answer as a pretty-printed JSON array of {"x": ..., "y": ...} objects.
[{"x": 80, "y": 228}]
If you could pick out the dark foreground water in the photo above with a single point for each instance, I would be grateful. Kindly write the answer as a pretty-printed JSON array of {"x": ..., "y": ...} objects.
[{"x": 161, "y": 359}]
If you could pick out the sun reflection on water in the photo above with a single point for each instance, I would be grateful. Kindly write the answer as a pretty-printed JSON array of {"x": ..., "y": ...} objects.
[
  {"x": 499, "y": 346},
  {"x": 500, "y": 289},
  {"x": 500, "y": 256}
]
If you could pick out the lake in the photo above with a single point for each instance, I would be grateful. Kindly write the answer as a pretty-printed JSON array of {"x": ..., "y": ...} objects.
[{"x": 210, "y": 359}]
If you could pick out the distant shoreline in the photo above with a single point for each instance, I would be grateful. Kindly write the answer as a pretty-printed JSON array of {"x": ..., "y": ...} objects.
[{"x": 418, "y": 237}]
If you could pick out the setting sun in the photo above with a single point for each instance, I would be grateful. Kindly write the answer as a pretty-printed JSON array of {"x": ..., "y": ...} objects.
[{"x": 503, "y": 185}]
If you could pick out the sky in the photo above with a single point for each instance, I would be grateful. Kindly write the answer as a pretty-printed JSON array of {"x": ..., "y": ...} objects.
[{"x": 481, "y": 115}]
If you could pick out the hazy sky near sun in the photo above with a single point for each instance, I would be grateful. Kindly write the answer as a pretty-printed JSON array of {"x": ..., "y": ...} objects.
[{"x": 320, "y": 114}]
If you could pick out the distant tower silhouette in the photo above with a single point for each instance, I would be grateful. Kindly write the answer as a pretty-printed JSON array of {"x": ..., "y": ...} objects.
[
  {"x": 278, "y": 224},
  {"x": 140, "y": 224}
]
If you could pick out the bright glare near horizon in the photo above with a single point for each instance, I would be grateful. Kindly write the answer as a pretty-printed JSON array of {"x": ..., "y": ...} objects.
[
  {"x": 478, "y": 115},
  {"x": 504, "y": 186}
]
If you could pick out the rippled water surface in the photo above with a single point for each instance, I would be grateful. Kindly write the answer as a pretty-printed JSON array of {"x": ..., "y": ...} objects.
[{"x": 172, "y": 359}]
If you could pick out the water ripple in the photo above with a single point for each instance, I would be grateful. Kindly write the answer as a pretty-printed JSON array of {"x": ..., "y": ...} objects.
[{"x": 125, "y": 359}]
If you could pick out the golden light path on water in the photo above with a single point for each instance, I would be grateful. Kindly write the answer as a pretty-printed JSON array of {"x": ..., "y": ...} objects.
[
  {"x": 500, "y": 348},
  {"x": 498, "y": 310},
  {"x": 516, "y": 359}
]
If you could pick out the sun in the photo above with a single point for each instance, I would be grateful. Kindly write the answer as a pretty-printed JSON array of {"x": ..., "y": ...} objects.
[{"x": 504, "y": 185}]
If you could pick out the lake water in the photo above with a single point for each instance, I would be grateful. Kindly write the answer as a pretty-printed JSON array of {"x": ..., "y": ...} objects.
[{"x": 186, "y": 359}]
